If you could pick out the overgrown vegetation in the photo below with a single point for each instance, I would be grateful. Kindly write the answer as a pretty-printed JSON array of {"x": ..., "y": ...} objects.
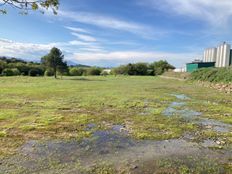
[
  {"x": 53, "y": 64},
  {"x": 142, "y": 69},
  {"x": 217, "y": 75}
]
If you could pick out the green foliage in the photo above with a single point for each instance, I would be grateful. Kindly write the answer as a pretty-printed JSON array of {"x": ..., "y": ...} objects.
[
  {"x": 94, "y": 71},
  {"x": 141, "y": 69},
  {"x": 10, "y": 72},
  {"x": 55, "y": 61},
  {"x": 15, "y": 71},
  {"x": 75, "y": 71},
  {"x": 35, "y": 72},
  {"x": 213, "y": 75},
  {"x": 160, "y": 67},
  {"x": 26, "y": 5},
  {"x": 18, "y": 66},
  {"x": 49, "y": 73}
]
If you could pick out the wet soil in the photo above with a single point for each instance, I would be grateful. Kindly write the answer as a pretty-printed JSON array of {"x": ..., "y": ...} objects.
[{"x": 115, "y": 146}]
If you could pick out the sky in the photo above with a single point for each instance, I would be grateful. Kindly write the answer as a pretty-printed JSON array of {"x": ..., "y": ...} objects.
[{"x": 114, "y": 32}]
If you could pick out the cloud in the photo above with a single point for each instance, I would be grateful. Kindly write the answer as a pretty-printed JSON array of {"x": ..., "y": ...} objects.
[
  {"x": 77, "y": 30},
  {"x": 34, "y": 51},
  {"x": 122, "y": 57},
  {"x": 105, "y": 21},
  {"x": 90, "y": 53},
  {"x": 215, "y": 12},
  {"x": 83, "y": 37},
  {"x": 19, "y": 49}
]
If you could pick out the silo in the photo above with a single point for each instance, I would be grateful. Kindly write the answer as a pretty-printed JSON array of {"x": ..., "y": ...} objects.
[
  {"x": 221, "y": 55},
  {"x": 226, "y": 55},
  {"x": 207, "y": 55},
  {"x": 218, "y": 56},
  {"x": 204, "y": 57},
  {"x": 214, "y": 54},
  {"x": 210, "y": 54}
]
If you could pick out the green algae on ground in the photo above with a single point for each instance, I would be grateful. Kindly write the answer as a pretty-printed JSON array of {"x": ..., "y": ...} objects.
[{"x": 43, "y": 108}]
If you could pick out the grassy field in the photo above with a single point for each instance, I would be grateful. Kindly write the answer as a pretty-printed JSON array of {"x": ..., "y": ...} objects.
[{"x": 45, "y": 108}]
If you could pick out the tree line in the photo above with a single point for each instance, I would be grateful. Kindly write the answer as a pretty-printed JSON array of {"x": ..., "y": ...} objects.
[
  {"x": 53, "y": 64},
  {"x": 143, "y": 69}
]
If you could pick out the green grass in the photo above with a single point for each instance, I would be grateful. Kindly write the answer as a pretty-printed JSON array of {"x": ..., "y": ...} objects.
[
  {"x": 217, "y": 75},
  {"x": 42, "y": 108}
]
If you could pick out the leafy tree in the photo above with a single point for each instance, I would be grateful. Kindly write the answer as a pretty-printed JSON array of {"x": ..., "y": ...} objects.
[
  {"x": 25, "y": 5},
  {"x": 121, "y": 70},
  {"x": 49, "y": 72},
  {"x": 2, "y": 66},
  {"x": 161, "y": 66},
  {"x": 63, "y": 68},
  {"x": 54, "y": 60},
  {"x": 11, "y": 72},
  {"x": 94, "y": 71},
  {"x": 141, "y": 69},
  {"x": 76, "y": 71}
]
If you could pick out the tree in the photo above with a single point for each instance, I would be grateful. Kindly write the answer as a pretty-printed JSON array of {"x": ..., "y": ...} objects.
[
  {"x": 94, "y": 71},
  {"x": 25, "y": 5},
  {"x": 63, "y": 69},
  {"x": 54, "y": 60},
  {"x": 160, "y": 67}
]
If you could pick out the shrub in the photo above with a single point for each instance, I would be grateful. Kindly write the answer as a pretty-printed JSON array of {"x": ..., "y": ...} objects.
[
  {"x": 76, "y": 71},
  {"x": 34, "y": 72},
  {"x": 15, "y": 71},
  {"x": 49, "y": 73},
  {"x": 94, "y": 71},
  {"x": 10, "y": 72},
  {"x": 213, "y": 75}
]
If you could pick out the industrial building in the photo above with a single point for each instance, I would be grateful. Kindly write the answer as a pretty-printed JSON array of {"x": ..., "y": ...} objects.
[
  {"x": 222, "y": 55},
  {"x": 213, "y": 57},
  {"x": 190, "y": 67}
]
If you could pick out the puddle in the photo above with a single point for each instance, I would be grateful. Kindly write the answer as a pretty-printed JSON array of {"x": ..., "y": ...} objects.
[
  {"x": 216, "y": 125},
  {"x": 174, "y": 109},
  {"x": 115, "y": 146},
  {"x": 171, "y": 110},
  {"x": 120, "y": 129},
  {"x": 209, "y": 143},
  {"x": 111, "y": 146},
  {"x": 181, "y": 96},
  {"x": 91, "y": 126}
]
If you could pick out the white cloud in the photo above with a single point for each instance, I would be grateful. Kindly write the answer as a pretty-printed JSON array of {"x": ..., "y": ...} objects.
[
  {"x": 105, "y": 21},
  {"x": 215, "y": 12},
  {"x": 123, "y": 57},
  {"x": 35, "y": 51},
  {"x": 90, "y": 53},
  {"x": 84, "y": 37},
  {"x": 19, "y": 49},
  {"x": 77, "y": 30}
]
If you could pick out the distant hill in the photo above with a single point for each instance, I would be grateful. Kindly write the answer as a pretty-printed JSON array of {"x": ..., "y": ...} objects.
[
  {"x": 11, "y": 60},
  {"x": 18, "y": 60}
]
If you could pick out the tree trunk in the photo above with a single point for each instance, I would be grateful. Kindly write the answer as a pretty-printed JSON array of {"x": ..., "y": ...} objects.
[{"x": 55, "y": 73}]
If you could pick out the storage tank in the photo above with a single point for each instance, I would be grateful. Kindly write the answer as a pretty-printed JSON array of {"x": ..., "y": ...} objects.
[
  {"x": 210, "y": 55},
  {"x": 223, "y": 55}
]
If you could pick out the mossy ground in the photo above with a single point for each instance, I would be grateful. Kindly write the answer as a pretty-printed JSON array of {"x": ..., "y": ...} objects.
[{"x": 44, "y": 108}]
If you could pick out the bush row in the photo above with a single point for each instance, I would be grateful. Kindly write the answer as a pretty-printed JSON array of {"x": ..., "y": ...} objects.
[
  {"x": 216, "y": 75},
  {"x": 74, "y": 71},
  {"x": 142, "y": 69}
]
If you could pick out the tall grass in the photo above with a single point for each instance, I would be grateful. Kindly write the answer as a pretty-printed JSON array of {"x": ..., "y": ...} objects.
[{"x": 217, "y": 75}]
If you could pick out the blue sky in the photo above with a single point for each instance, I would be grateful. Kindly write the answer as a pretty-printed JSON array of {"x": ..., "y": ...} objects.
[{"x": 110, "y": 33}]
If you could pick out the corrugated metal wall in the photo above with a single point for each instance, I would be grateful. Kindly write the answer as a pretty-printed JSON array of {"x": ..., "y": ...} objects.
[{"x": 221, "y": 55}]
